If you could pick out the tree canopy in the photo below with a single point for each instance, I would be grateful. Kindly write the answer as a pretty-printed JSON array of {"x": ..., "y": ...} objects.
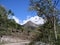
[
  {"x": 6, "y": 24},
  {"x": 47, "y": 10}
]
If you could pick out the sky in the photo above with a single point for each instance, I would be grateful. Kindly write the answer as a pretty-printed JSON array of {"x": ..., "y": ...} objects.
[{"x": 20, "y": 9}]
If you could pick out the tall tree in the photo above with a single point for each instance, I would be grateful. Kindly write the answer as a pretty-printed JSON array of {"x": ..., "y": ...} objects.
[{"x": 46, "y": 9}]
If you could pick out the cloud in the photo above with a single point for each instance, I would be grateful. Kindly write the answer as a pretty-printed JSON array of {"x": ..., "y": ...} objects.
[
  {"x": 28, "y": 17},
  {"x": 35, "y": 19},
  {"x": 16, "y": 19}
]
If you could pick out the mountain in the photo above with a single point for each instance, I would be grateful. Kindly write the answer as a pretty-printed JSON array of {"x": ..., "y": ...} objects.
[{"x": 30, "y": 24}]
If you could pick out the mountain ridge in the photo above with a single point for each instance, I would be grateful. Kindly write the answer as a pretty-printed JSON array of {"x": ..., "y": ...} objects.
[{"x": 30, "y": 23}]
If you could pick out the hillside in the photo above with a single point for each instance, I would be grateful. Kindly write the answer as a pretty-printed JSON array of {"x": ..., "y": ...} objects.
[{"x": 12, "y": 33}]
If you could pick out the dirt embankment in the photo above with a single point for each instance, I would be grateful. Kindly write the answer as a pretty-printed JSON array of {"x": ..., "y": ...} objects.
[{"x": 10, "y": 40}]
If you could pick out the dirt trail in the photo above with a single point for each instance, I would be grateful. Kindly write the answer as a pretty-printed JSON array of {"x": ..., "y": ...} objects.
[{"x": 19, "y": 43}]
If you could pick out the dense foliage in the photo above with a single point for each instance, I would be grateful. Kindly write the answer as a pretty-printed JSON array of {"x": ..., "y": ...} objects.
[
  {"x": 47, "y": 10},
  {"x": 7, "y": 25}
]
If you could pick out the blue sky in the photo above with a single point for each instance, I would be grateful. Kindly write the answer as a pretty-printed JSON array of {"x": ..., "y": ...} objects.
[{"x": 20, "y": 8}]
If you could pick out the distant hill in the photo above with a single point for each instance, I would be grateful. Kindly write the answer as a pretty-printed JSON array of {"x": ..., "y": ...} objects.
[{"x": 30, "y": 25}]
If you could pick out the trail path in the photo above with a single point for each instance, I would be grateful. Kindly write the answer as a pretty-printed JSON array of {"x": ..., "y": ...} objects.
[{"x": 19, "y": 43}]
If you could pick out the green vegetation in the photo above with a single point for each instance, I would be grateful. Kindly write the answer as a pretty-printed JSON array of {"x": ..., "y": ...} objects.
[
  {"x": 49, "y": 32},
  {"x": 7, "y": 26},
  {"x": 47, "y": 10}
]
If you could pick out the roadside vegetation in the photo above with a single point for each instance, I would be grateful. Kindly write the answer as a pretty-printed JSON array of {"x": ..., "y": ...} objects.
[{"x": 48, "y": 33}]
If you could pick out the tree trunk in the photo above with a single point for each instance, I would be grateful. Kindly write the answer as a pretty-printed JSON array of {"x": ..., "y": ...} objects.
[{"x": 55, "y": 28}]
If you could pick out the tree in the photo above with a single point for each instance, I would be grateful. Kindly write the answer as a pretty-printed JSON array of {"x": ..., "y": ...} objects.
[
  {"x": 47, "y": 9},
  {"x": 4, "y": 13}
]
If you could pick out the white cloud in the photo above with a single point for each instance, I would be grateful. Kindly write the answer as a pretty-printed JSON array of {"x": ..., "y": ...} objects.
[
  {"x": 36, "y": 19},
  {"x": 16, "y": 19},
  {"x": 28, "y": 17}
]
